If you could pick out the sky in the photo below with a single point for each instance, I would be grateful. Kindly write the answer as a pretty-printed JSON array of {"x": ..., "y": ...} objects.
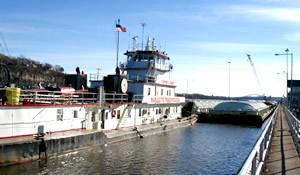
[{"x": 200, "y": 37}]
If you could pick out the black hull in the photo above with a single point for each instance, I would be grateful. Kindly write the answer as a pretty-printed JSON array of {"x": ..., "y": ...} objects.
[{"x": 232, "y": 119}]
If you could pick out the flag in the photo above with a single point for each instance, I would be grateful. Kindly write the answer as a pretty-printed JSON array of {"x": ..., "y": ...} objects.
[{"x": 119, "y": 28}]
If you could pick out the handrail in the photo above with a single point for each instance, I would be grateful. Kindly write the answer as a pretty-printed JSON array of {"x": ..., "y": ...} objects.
[
  {"x": 115, "y": 98},
  {"x": 42, "y": 96},
  {"x": 294, "y": 125},
  {"x": 137, "y": 99},
  {"x": 255, "y": 162}
]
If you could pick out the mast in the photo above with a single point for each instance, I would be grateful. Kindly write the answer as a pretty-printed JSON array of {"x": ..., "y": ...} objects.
[{"x": 143, "y": 25}]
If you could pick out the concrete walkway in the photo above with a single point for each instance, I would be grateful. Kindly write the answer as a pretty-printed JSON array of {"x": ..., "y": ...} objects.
[{"x": 283, "y": 156}]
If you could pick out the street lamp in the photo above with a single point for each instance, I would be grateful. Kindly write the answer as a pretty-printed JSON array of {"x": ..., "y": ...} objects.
[
  {"x": 229, "y": 79},
  {"x": 282, "y": 73},
  {"x": 187, "y": 86},
  {"x": 287, "y": 55}
]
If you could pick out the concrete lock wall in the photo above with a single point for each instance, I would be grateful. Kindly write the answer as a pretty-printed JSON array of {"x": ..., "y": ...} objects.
[{"x": 21, "y": 152}]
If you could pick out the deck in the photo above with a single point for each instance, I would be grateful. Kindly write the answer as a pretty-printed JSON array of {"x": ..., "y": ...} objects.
[{"x": 283, "y": 156}]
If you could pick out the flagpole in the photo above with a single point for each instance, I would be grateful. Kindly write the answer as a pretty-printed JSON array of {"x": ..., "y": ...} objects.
[{"x": 118, "y": 45}]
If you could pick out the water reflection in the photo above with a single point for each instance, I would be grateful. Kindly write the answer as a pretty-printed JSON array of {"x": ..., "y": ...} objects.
[{"x": 200, "y": 149}]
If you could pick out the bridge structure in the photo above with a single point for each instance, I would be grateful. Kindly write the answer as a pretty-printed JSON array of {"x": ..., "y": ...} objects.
[{"x": 277, "y": 150}]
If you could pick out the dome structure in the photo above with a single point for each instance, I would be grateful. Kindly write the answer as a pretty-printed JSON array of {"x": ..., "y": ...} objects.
[{"x": 240, "y": 106}]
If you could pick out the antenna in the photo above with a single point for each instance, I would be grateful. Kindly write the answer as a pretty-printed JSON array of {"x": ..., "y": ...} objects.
[
  {"x": 128, "y": 40},
  {"x": 143, "y": 25},
  {"x": 98, "y": 73},
  {"x": 134, "y": 48}
]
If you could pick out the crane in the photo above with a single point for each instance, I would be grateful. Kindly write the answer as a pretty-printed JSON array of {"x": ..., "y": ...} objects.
[{"x": 254, "y": 71}]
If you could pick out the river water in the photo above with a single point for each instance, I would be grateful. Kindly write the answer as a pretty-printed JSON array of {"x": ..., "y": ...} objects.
[{"x": 199, "y": 149}]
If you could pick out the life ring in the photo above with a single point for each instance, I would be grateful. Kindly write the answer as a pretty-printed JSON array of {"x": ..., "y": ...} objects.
[{"x": 113, "y": 113}]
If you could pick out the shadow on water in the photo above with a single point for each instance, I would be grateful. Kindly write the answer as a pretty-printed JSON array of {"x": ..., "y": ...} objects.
[{"x": 203, "y": 148}]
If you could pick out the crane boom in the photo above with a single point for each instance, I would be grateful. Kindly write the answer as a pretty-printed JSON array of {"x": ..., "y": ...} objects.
[{"x": 254, "y": 71}]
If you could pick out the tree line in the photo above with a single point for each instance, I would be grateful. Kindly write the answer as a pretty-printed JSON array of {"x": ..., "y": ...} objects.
[{"x": 22, "y": 60}]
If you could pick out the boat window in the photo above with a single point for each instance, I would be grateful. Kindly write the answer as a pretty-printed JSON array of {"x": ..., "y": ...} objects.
[
  {"x": 93, "y": 118},
  {"x": 140, "y": 112},
  {"x": 145, "y": 111},
  {"x": 59, "y": 115},
  {"x": 99, "y": 116},
  {"x": 129, "y": 58},
  {"x": 145, "y": 57},
  {"x": 75, "y": 114},
  {"x": 118, "y": 114},
  {"x": 149, "y": 91},
  {"x": 106, "y": 115},
  {"x": 140, "y": 57},
  {"x": 151, "y": 57},
  {"x": 162, "y": 92},
  {"x": 167, "y": 93}
]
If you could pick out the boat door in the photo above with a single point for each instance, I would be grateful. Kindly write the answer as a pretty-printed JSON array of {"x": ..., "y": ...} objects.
[{"x": 102, "y": 118}]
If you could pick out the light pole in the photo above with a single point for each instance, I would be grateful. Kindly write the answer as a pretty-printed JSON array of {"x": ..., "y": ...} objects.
[
  {"x": 229, "y": 79},
  {"x": 283, "y": 73},
  {"x": 187, "y": 86},
  {"x": 287, "y": 56}
]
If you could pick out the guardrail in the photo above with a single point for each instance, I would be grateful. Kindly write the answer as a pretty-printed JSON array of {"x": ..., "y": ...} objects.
[
  {"x": 25, "y": 97},
  {"x": 294, "y": 125},
  {"x": 115, "y": 98},
  {"x": 255, "y": 162},
  {"x": 137, "y": 99}
]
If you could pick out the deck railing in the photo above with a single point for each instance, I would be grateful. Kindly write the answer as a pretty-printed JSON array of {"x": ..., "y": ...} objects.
[
  {"x": 255, "y": 162},
  {"x": 115, "y": 98},
  {"x": 294, "y": 125},
  {"x": 137, "y": 99},
  {"x": 32, "y": 97}
]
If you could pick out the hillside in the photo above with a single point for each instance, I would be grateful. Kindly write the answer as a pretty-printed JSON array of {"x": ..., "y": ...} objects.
[{"x": 27, "y": 73}]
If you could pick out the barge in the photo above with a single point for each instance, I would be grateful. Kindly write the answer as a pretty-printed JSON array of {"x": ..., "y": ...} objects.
[{"x": 253, "y": 112}]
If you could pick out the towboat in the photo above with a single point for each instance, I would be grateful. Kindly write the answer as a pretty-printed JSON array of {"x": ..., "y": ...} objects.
[{"x": 139, "y": 93}]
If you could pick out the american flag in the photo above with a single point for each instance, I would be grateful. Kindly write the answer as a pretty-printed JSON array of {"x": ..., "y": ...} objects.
[{"x": 119, "y": 28}]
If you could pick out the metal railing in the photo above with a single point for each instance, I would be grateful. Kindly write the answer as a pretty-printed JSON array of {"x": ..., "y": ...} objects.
[
  {"x": 294, "y": 125},
  {"x": 255, "y": 162},
  {"x": 137, "y": 99},
  {"x": 115, "y": 98},
  {"x": 32, "y": 97},
  {"x": 25, "y": 97}
]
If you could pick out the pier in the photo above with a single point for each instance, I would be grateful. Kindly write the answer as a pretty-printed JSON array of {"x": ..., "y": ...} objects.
[
  {"x": 283, "y": 155},
  {"x": 278, "y": 148}
]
